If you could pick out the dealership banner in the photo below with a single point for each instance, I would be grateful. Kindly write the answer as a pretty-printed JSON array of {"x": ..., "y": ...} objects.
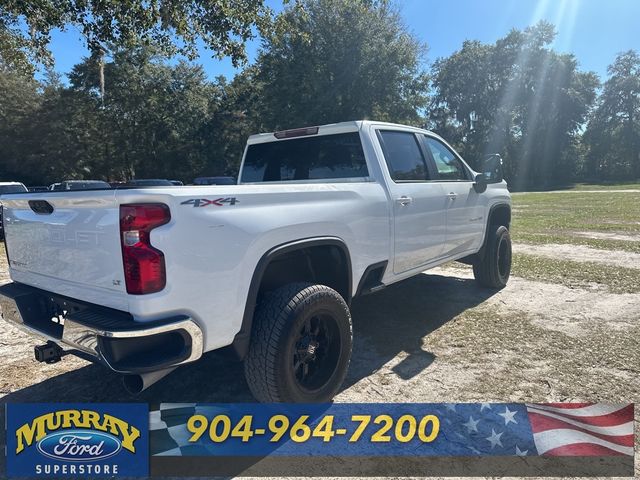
[
  {"x": 340, "y": 439},
  {"x": 77, "y": 440}
]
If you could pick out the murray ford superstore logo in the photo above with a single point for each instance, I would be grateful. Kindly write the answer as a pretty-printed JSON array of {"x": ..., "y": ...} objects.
[
  {"x": 79, "y": 445},
  {"x": 77, "y": 439}
]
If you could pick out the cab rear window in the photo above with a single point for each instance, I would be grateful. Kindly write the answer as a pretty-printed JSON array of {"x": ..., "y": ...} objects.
[{"x": 310, "y": 158}]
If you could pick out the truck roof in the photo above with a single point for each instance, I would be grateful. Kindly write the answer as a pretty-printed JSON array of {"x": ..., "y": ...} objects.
[{"x": 331, "y": 128}]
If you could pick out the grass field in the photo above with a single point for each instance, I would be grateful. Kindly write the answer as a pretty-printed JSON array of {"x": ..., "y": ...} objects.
[
  {"x": 577, "y": 274},
  {"x": 607, "y": 186},
  {"x": 578, "y": 218},
  {"x": 607, "y": 221}
]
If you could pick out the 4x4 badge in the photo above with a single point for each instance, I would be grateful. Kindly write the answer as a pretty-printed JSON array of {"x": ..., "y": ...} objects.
[{"x": 204, "y": 202}]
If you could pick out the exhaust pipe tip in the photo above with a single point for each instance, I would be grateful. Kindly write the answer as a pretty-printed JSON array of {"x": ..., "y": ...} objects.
[
  {"x": 133, "y": 384},
  {"x": 138, "y": 383}
]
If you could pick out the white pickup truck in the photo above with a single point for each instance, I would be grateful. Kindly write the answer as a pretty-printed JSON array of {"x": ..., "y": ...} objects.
[{"x": 145, "y": 280}]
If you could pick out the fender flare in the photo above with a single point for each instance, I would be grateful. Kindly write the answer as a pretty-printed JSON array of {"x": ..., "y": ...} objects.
[
  {"x": 240, "y": 344},
  {"x": 492, "y": 209},
  {"x": 479, "y": 255}
]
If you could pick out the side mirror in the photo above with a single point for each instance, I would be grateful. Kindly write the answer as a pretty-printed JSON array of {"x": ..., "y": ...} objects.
[
  {"x": 491, "y": 168},
  {"x": 479, "y": 183}
]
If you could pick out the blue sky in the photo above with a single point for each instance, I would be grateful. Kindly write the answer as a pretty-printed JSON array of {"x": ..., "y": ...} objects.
[{"x": 594, "y": 30}]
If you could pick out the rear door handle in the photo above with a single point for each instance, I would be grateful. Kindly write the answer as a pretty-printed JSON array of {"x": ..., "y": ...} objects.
[
  {"x": 404, "y": 200},
  {"x": 452, "y": 195}
]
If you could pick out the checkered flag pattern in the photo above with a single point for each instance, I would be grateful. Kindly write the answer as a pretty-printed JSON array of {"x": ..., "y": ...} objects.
[{"x": 168, "y": 435}]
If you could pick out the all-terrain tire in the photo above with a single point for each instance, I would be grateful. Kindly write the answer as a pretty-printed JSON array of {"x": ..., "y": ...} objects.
[
  {"x": 283, "y": 341},
  {"x": 493, "y": 270}
]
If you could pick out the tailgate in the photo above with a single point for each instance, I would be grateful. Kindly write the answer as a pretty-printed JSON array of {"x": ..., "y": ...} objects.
[{"x": 68, "y": 243}]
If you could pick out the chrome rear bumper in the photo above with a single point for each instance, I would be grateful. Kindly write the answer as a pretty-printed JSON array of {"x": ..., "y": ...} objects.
[{"x": 108, "y": 336}]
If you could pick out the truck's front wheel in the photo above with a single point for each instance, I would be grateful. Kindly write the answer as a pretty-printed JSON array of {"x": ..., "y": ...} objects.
[
  {"x": 300, "y": 345},
  {"x": 493, "y": 269}
]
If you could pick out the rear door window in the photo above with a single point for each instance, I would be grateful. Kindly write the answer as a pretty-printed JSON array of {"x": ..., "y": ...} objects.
[{"x": 310, "y": 158}]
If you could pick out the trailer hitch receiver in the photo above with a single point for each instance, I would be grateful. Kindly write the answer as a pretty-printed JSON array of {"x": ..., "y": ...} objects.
[{"x": 50, "y": 352}]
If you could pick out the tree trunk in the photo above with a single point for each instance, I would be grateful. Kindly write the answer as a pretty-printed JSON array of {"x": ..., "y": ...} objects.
[
  {"x": 101, "y": 74},
  {"x": 634, "y": 142}
]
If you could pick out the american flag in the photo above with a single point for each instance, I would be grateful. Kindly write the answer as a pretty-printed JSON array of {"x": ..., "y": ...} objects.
[{"x": 584, "y": 429}]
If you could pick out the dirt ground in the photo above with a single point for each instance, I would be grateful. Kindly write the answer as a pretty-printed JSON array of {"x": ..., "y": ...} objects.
[{"x": 434, "y": 338}]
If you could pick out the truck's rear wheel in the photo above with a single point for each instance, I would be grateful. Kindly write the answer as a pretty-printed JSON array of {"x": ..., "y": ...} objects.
[
  {"x": 300, "y": 345},
  {"x": 493, "y": 270}
]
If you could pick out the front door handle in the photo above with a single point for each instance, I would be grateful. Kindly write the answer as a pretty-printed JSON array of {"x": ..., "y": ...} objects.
[
  {"x": 452, "y": 195},
  {"x": 404, "y": 200}
]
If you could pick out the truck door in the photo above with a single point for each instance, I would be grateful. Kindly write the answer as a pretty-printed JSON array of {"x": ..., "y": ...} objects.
[
  {"x": 419, "y": 205},
  {"x": 465, "y": 207}
]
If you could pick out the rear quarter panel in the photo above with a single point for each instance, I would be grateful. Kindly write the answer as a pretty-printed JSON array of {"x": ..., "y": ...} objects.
[{"x": 212, "y": 250}]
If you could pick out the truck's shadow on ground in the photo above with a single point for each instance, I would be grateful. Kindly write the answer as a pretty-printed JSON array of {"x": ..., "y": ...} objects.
[{"x": 385, "y": 324}]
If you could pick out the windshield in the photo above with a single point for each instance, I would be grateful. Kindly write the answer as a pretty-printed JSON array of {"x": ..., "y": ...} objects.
[{"x": 12, "y": 189}]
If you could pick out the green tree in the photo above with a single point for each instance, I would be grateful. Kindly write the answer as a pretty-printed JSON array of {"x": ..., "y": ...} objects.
[
  {"x": 170, "y": 118},
  {"x": 465, "y": 96},
  {"x": 54, "y": 133},
  {"x": 613, "y": 132},
  {"x": 176, "y": 27},
  {"x": 336, "y": 60},
  {"x": 20, "y": 99},
  {"x": 153, "y": 116},
  {"x": 516, "y": 97},
  {"x": 236, "y": 117}
]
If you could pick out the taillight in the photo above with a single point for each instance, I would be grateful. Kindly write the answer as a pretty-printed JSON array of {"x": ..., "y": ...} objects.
[{"x": 144, "y": 269}]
